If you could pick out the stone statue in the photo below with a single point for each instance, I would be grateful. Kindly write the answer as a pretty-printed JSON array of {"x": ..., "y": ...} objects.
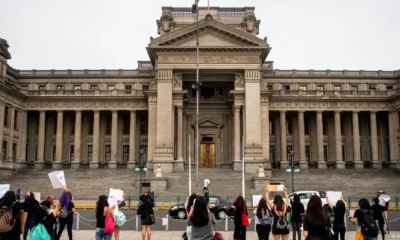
[
  {"x": 239, "y": 80},
  {"x": 260, "y": 171},
  {"x": 177, "y": 80},
  {"x": 4, "y": 49},
  {"x": 159, "y": 171}
]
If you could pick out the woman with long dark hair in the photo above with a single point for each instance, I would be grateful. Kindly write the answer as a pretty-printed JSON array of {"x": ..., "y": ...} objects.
[
  {"x": 145, "y": 211},
  {"x": 280, "y": 226},
  {"x": 339, "y": 211},
  {"x": 263, "y": 220},
  {"x": 240, "y": 207},
  {"x": 200, "y": 218},
  {"x": 188, "y": 206},
  {"x": 378, "y": 212},
  {"x": 68, "y": 218},
  {"x": 315, "y": 221},
  {"x": 45, "y": 215},
  {"x": 31, "y": 204},
  {"x": 101, "y": 211},
  {"x": 297, "y": 212}
]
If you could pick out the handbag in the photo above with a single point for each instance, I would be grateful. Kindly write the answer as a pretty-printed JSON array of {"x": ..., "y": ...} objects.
[
  {"x": 245, "y": 218},
  {"x": 217, "y": 235},
  {"x": 120, "y": 219},
  {"x": 110, "y": 224},
  {"x": 150, "y": 220}
]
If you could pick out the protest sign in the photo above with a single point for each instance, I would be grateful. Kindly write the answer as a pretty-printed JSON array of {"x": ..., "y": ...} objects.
[
  {"x": 3, "y": 189},
  {"x": 276, "y": 188},
  {"x": 256, "y": 199},
  {"x": 333, "y": 197},
  {"x": 57, "y": 179},
  {"x": 116, "y": 194}
]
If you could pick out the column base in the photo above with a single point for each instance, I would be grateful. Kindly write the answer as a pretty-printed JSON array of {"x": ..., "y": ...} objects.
[
  {"x": 21, "y": 165},
  {"x": 39, "y": 165},
  {"x": 112, "y": 164},
  {"x": 94, "y": 164},
  {"x": 322, "y": 165},
  {"x": 237, "y": 165},
  {"x": 260, "y": 183},
  {"x": 131, "y": 165},
  {"x": 395, "y": 165},
  {"x": 358, "y": 165},
  {"x": 178, "y": 166},
  {"x": 284, "y": 165},
  {"x": 57, "y": 165},
  {"x": 377, "y": 165},
  {"x": 340, "y": 165},
  {"x": 303, "y": 165},
  {"x": 75, "y": 165}
]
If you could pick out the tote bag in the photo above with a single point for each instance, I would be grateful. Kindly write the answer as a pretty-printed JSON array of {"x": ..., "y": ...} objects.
[
  {"x": 245, "y": 218},
  {"x": 110, "y": 224}
]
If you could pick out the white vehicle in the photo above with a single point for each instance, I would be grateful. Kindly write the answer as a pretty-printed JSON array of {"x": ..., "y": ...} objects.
[{"x": 306, "y": 195}]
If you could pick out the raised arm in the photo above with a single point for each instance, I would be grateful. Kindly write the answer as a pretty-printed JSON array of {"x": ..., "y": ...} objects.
[
  {"x": 286, "y": 197},
  {"x": 345, "y": 203},
  {"x": 328, "y": 202},
  {"x": 270, "y": 204}
]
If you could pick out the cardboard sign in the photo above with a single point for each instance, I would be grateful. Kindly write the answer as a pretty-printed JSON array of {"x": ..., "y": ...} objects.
[
  {"x": 256, "y": 199},
  {"x": 116, "y": 194},
  {"x": 383, "y": 199},
  {"x": 112, "y": 201},
  {"x": 165, "y": 221},
  {"x": 57, "y": 179},
  {"x": 3, "y": 189},
  {"x": 351, "y": 213},
  {"x": 276, "y": 188},
  {"x": 37, "y": 196},
  {"x": 333, "y": 197}
]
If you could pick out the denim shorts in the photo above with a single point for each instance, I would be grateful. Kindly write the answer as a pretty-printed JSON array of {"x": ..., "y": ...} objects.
[{"x": 100, "y": 234}]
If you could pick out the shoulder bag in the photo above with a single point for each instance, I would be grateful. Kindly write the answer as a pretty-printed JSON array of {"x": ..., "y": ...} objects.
[
  {"x": 110, "y": 223},
  {"x": 217, "y": 235},
  {"x": 245, "y": 218},
  {"x": 150, "y": 220}
]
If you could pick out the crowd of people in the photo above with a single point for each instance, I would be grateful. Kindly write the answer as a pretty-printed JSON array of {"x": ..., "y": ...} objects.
[{"x": 278, "y": 216}]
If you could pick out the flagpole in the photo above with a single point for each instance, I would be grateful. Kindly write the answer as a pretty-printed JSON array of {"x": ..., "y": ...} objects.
[{"x": 197, "y": 97}]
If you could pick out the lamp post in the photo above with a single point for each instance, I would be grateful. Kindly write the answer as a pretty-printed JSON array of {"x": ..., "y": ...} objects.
[
  {"x": 141, "y": 167},
  {"x": 292, "y": 168}
]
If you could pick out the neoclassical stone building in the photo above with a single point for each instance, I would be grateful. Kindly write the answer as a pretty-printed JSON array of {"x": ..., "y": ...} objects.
[{"x": 106, "y": 118}]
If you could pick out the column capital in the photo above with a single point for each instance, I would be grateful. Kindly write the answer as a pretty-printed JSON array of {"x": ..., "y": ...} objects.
[
  {"x": 301, "y": 111},
  {"x": 114, "y": 111},
  {"x": 133, "y": 111},
  {"x": 41, "y": 111},
  {"x": 60, "y": 111},
  {"x": 373, "y": 112},
  {"x": 282, "y": 111},
  {"x": 79, "y": 110},
  {"x": 319, "y": 111},
  {"x": 237, "y": 108},
  {"x": 356, "y": 111},
  {"x": 179, "y": 107},
  {"x": 96, "y": 110},
  {"x": 338, "y": 111}
]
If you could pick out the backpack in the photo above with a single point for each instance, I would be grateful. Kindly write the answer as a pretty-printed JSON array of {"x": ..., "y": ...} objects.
[
  {"x": 39, "y": 232},
  {"x": 369, "y": 228},
  {"x": 265, "y": 218},
  {"x": 281, "y": 222},
  {"x": 64, "y": 213},
  {"x": 7, "y": 220}
]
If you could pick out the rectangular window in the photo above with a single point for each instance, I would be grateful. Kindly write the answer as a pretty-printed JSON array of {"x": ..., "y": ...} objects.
[
  {"x": 60, "y": 87},
  {"x": 289, "y": 148},
  {"x": 42, "y": 87},
  {"x": 289, "y": 126},
  {"x": 372, "y": 87},
  {"x": 193, "y": 93},
  {"x": 143, "y": 126},
  {"x": 4, "y": 151},
  {"x": 54, "y": 153},
  {"x": 207, "y": 92},
  {"x": 269, "y": 87},
  {"x": 272, "y": 153},
  {"x": 16, "y": 120},
  {"x": 90, "y": 153},
  {"x": 77, "y": 87},
  {"x": 320, "y": 88},
  {"x": 145, "y": 87},
  {"x": 303, "y": 88},
  {"x": 128, "y": 89},
  {"x": 389, "y": 87},
  {"x": 271, "y": 127},
  {"x": 221, "y": 92},
  {"x": 90, "y": 129},
  {"x": 111, "y": 87},
  {"x": 354, "y": 87},
  {"x": 308, "y": 154},
  {"x": 324, "y": 126},
  {"x": 127, "y": 124},
  {"x": 287, "y": 89},
  {"x": 107, "y": 156},
  {"x": 73, "y": 126},
  {"x": 6, "y": 117},
  {"x": 25, "y": 87},
  {"x": 325, "y": 153},
  {"x": 71, "y": 153},
  {"x": 94, "y": 87},
  {"x": 307, "y": 126},
  {"x": 344, "y": 153},
  {"x": 336, "y": 87},
  {"x": 108, "y": 126},
  {"x": 125, "y": 156}
]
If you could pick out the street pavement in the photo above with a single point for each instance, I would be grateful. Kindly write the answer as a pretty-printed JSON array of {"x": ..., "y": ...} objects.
[
  {"x": 87, "y": 222},
  {"x": 174, "y": 235}
]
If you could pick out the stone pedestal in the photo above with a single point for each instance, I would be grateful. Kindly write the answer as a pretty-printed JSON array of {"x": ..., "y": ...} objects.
[
  {"x": 94, "y": 164},
  {"x": 131, "y": 165},
  {"x": 39, "y": 165},
  {"x": 340, "y": 165},
  {"x": 284, "y": 165},
  {"x": 158, "y": 184},
  {"x": 112, "y": 164},
  {"x": 75, "y": 165},
  {"x": 395, "y": 165},
  {"x": 57, "y": 165},
  {"x": 237, "y": 165},
  {"x": 178, "y": 166},
  {"x": 322, "y": 165},
  {"x": 358, "y": 165},
  {"x": 260, "y": 183},
  {"x": 377, "y": 165},
  {"x": 303, "y": 165}
]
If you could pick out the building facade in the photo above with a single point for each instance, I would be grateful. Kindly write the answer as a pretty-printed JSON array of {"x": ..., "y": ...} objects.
[{"x": 248, "y": 109}]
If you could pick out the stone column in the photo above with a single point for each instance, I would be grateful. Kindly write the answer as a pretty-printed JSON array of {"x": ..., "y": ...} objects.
[
  {"x": 152, "y": 131},
  {"x": 2, "y": 114},
  {"x": 77, "y": 140},
  {"x": 132, "y": 142},
  {"x": 96, "y": 139},
  {"x": 356, "y": 142},
  {"x": 41, "y": 137},
  {"x": 265, "y": 134},
  {"x": 284, "y": 160},
  {"x": 302, "y": 148},
  {"x": 394, "y": 148},
  {"x": 180, "y": 139},
  {"x": 374, "y": 141},
  {"x": 59, "y": 140},
  {"x": 22, "y": 138},
  {"x": 236, "y": 139},
  {"x": 320, "y": 141},
  {"x": 338, "y": 142},
  {"x": 114, "y": 140},
  {"x": 11, "y": 134}
]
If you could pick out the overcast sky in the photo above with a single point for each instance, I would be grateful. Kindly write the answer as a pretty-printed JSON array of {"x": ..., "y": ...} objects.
[{"x": 113, "y": 34}]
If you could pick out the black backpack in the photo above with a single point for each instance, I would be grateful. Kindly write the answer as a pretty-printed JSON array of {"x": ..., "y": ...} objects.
[{"x": 369, "y": 228}]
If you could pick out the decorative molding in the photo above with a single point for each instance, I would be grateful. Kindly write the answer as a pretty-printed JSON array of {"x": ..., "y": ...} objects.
[
  {"x": 252, "y": 75},
  {"x": 177, "y": 80},
  {"x": 239, "y": 80},
  {"x": 164, "y": 80},
  {"x": 209, "y": 59},
  {"x": 164, "y": 74},
  {"x": 75, "y": 105}
]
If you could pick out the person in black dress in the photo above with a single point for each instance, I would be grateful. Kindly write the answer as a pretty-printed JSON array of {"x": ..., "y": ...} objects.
[
  {"x": 240, "y": 230},
  {"x": 315, "y": 221},
  {"x": 339, "y": 211},
  {"x": 297, "y": 212},
  {"x": 31, "y": 204},
  {"x": 279, "y": 210},
  {"x": 69, "y": 220},
  {"x": 144, "y": 209},
  {"x": 378, "y": 210}
]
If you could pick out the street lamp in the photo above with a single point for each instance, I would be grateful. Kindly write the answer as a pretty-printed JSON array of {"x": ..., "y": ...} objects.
[
  {"x": 292, "y": 168},
  {"x": 141, "y": 167}
]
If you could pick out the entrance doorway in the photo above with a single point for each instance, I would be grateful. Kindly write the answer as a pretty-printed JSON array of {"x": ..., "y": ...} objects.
[{"x": 207, "y": 151}]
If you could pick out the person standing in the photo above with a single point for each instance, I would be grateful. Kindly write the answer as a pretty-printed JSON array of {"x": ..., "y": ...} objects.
[
  {"x": 240, "y": 207},
  {"x": 279, "y": 209},
  {"x": 297, "y": 212},
  {"x": 201, "y": 220},
  {"x": 101, "y": 211},
  {"x": 378, "y": 213},
  {"x": 31, "y": 203},
  {"x": 361, "y": 217},
  {"x": 188, "y": 206},
  {"x": 263, "y": 220},
  {"x": 339, "y": 211},
  {"x": 146, "y": 212},
  {"x": 68, "y": 219},
  {"x": 315, "y": 222},
  {"x": 118, "y": 228}
]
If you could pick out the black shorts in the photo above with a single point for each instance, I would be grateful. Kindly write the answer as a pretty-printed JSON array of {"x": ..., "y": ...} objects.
[{"x": 278, "y": 231}]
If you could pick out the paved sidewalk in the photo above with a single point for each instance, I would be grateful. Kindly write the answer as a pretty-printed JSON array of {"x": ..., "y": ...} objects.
[{"x": 163, "y": 235}]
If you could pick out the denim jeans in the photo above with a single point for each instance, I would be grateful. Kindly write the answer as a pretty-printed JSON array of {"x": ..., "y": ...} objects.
[
  {"x": 100, "y": 235},
  {"x": 29, "y": 224}
]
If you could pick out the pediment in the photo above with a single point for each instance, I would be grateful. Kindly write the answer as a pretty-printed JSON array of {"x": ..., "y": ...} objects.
[
  {"x": 211, "y": 34},
  {"x": 209, "y": 123}
]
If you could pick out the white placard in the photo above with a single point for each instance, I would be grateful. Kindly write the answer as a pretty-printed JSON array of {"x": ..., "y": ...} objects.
[
  {"x": 383, "y": 199},
  {"x": 333, "y": 197},
  {"x": 57, "y": 179},
  {"x": 37, "y": 196},
  {"x": 351, "y": 213},
  {"x": 112, "y": 201},
  {"x": 256, "y": 199},
  {"x": 3, "y": 189},
  {"x": 280, "y": 188},
  {"x": 165, "y": 221},
  {"x": 116, "y": 194}
]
